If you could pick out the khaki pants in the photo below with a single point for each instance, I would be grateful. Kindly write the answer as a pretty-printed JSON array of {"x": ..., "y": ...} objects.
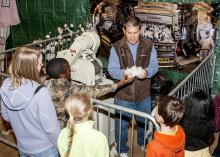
[
  {"x": 199, "y": 153},
  {"x": 215, "y": 143}
]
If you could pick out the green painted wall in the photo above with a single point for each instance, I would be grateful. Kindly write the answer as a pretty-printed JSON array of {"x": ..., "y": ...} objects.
[{"x": 39, "y": 17}]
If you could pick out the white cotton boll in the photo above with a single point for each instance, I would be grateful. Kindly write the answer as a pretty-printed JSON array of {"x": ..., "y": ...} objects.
[
  {"x": 140, "y": 71},
  {"x": 71, "y": 25},
  {"x": 47, "y": 47},
  {"x": 60, "y": 30},
  {"x": 134, "y": 71},
  {"x": 47, "y": 36},
  {"x": 88, "y": 25},
  {"x": 71, "y": 33},
  {"x": 127, "y": 72},
  {"x": 52, "y": 49},
  {"x": 43, "y": 51},
  {"x": 65, "y": 25},
  {"x": 59, "y": 37},
  {"x": 82, "y": 29},
  {"x": 55, "y": 43},
  {"x": 61, "y": 42}
]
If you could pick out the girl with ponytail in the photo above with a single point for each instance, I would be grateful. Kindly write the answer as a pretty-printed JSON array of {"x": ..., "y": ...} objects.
[{"x": 79, "y": 138}]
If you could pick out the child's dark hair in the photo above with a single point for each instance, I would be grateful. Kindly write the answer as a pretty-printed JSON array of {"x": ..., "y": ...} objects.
[
  {"x": 170, "y": 109},
  {"x": 199, "y": 105},
  {"x": 131, "y": 21},
  {"x": 55, "y": 67},
  {"x": 198, "y": 121}
]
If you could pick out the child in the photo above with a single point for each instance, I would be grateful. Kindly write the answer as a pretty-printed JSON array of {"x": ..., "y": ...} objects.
[
  {"x": 170, "y": 140},
  {"x": 31, "y": 113},
  {"x": 198, "y": 124},
  {"x": 79, "y": 138},
  {"x": 59, "y": 84}
]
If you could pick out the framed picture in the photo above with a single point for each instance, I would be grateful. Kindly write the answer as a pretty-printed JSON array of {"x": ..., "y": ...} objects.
[
  {"x": 2, "y": 41},
  {"x": 5, "y": 3}
]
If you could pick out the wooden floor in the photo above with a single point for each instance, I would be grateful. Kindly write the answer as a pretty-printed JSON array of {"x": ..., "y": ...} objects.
[
  {"x": 5, "y": 150},
  {"x": 137, "y": 152}
]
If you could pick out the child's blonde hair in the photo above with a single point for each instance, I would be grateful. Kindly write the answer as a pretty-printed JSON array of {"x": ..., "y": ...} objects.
[
  {"x": 78, "y": 106},
  {"x": 24, "y": 65}
]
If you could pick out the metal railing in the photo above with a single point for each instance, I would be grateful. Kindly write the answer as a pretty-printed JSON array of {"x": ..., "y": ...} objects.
[
  {"x": 200, "y": 78},
  {"x": 49, "y": 46},
  {"x": 108, "y": 106}
]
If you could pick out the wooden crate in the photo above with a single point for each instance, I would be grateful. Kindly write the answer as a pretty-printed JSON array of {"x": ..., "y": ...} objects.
[{"x": 159, "y": 5}]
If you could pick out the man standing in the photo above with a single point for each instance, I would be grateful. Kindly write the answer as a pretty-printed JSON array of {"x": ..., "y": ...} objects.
[
  {"x": 132, "y": 50},
  {"x": 206, "y": 45}
]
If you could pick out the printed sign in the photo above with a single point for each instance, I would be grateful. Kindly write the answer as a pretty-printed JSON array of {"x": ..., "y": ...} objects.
[
  {"x": 2, "y": 41},
  {"x": 164, "y": 19},
  {"x": 5, "y": 3}
]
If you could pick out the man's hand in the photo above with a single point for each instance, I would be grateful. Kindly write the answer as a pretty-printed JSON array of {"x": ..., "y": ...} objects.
[{"x": 142, "y": 74}]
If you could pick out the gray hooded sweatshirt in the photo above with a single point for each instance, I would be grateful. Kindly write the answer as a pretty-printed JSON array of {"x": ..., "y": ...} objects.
[{"x": 32, "y": 116}]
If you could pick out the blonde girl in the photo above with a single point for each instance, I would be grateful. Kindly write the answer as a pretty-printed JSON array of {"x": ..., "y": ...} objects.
[
  {"x": 26, "y": 64},
  {"x": 28, "y": 107},
  {"x": 79, "y": 138}
]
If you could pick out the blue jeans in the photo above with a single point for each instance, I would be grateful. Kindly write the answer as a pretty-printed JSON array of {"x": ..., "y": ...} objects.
[
  {"x": 143, "y": 106},
  {"x": 51, "y": 152}
]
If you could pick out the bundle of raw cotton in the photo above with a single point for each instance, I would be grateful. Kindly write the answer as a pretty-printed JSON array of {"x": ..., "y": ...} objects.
[{"x": 134, "y": 71}]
